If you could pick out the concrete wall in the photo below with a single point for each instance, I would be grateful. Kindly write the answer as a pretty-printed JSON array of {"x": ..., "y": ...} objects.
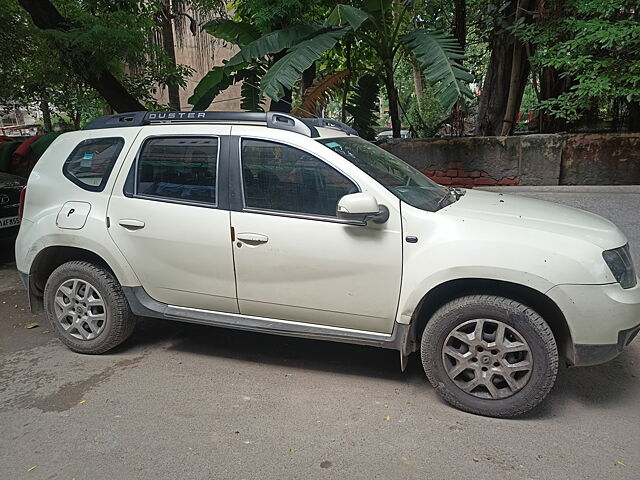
[{"x": 589, "y": 159}]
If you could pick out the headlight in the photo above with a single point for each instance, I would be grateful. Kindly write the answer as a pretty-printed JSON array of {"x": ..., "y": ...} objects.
[{"x": 621, "y": 265}]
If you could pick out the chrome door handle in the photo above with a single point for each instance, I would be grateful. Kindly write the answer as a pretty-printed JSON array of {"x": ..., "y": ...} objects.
[
  {"x": 252, "y": 238},
  {"x": 131, "y": 224}
]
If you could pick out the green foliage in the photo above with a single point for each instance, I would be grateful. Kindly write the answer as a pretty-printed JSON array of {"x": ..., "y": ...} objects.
[
  {"x": 270, "y": 15},
  {"x": 596, "y": 47},
  {"x": 427, "y": 114},
  {"x": 252, "y": 100},
  {"x": 363, "y": 106},
  {"x": 438, "y": 55},
  {"x": 273, "y": 42},
  {"x": 286, "y": 71},
  {"x": 121, "y": 37},
  {"x": 344, "y": 15},
  {"x": 238, "y": 33}
]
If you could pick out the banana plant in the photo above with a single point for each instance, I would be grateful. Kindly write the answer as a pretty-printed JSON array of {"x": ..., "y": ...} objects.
[{"x": 383, "y": 25}]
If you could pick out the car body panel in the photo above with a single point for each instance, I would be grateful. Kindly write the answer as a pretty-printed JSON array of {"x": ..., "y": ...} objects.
[
  {"x": 48, "y": 190},
  {"x": 318, "y": 269},
  {"x": 182, "y": 255},
  {"x": 343, "y": 278}
]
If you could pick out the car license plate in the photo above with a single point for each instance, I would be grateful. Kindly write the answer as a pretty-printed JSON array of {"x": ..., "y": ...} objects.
[{"x": 9, "y": 222}]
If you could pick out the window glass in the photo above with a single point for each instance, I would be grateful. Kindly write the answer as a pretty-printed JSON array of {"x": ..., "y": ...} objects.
[
  {"x": 90, "y": 163},
  {"x": 283, "y": 178},
  {"x": 180, "y": 168},
  {"x": 404, "y": 181}
]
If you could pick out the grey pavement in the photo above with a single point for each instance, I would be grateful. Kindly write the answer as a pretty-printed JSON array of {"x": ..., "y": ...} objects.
[{"x": 181, "y": 401}]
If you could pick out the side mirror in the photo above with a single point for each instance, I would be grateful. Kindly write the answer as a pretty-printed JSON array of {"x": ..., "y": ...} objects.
[{"x": 359, "y": 208}]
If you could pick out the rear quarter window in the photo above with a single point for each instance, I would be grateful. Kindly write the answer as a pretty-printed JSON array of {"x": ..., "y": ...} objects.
[{"x": 91, "y": 162}]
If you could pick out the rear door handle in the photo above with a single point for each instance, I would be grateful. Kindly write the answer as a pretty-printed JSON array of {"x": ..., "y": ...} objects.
[
  {"x": 131, "y": 224},
  {"x": 252, "y": 238}
]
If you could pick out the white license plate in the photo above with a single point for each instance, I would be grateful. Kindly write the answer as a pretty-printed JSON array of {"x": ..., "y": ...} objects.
[{"x": 9, "y": 222}]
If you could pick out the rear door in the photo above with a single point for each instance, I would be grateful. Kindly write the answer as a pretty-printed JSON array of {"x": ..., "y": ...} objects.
[{"x": 169, "y": 216}]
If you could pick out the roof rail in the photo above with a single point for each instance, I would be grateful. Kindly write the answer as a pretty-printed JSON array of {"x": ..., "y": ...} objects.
[
  {"x": 328, "y": 123},
  {"x": 281, "y": 121}
]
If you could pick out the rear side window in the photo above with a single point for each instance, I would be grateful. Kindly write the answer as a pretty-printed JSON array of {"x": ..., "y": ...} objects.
[
  {"x": 91, "y": 162},
  {"x": 179, "y": 168}
]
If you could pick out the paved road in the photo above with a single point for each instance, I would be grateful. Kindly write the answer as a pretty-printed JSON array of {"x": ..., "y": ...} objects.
[{"x": 183, "y": 401}]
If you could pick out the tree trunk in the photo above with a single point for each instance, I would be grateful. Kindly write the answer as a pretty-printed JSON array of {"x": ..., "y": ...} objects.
[
  {"x": 492, "y": 102},
  {"x": 551, "y": 85},
  {"x": 168, "y": 43},
  {"x": 460, "y": 34},
  {"x": 418, "y": 79},
  {"x": 502, "y": 89},
  {"x": 460, "y": 22},
  {"x": 347, "y": 84},
  {"x": 46, "y": 17},
  {"x": 634, "y": 117},
  {"x": 515, "y": 92},
  {"x": 76, "y": 119},
  {"x": 392, "y": 95},
  {"x": 46, "y": 114},
  {"x": 308, "y": 77}
]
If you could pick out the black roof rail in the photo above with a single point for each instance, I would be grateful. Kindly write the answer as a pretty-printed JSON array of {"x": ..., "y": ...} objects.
[
  {"x": 281, "y": 121},
  {"x": 329, "y": 123}
]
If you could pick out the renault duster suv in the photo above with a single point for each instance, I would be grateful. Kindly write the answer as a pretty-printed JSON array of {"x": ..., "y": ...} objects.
[{"x": 275, "y": 224}]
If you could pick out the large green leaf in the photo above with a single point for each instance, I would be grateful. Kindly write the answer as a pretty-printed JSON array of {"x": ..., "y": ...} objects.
[
  {"x": 273, "y": 42},
  {"x": 363, "y": 106},
  {"x": 437, "y": 55},
  {"x": 252, "y": 100},
  {"x": 238, "y": 33},
  {"x": 214, "y": 82},
  {"x": 286, "y": 71},
  {"x": 346, "y": 14}
]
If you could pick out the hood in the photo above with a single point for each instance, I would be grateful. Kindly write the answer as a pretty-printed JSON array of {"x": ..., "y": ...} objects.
[{"x": 530, "y": 213}]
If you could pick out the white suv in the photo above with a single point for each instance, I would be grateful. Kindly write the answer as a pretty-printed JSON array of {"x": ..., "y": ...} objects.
[{"x": 289, "y": 226}]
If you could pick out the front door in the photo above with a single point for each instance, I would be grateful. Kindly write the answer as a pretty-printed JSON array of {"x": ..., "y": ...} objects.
[
  {"x": 169, "y": 218},
  {"x": 295, "y": 260}
]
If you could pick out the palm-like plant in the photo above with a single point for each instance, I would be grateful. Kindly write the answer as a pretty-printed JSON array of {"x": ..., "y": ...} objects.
[{"x": 385, "y": 27}]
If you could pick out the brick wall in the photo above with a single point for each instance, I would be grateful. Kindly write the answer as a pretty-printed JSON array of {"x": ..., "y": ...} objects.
[
  {"x": 571, "y": 159},
  {"x": 456, "y": 176}
]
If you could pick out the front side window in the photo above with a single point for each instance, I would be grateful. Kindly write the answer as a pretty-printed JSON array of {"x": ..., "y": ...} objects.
[
  {"x": 179, "y": 168},
  {"x": 283, "y": 178},
  {"x": 90, "y": 163},
  {"x": 404, "y": 181}
]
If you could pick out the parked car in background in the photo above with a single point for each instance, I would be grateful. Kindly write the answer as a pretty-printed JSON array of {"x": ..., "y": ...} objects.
[
  {"x": 389, "y": 134},
  {"x": 10, "y": 188},
  {"x": 276, "y": 224}
]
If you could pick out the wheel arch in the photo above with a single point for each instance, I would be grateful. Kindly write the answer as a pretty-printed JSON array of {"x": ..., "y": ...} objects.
[
  {"x": 535, "y": 299},
  {"x": 50, "y": 258}
]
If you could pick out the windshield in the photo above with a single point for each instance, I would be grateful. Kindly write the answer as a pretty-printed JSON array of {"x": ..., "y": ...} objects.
[{"x": 404, "y": 181}]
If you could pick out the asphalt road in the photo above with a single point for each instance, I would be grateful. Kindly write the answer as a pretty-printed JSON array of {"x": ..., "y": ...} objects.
[{"x": 182, "y": 401}]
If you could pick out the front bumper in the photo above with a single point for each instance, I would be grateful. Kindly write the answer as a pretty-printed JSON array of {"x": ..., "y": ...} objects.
[
  {"x": 585, "y": 355},
  {"x": 602, "y": 319}
]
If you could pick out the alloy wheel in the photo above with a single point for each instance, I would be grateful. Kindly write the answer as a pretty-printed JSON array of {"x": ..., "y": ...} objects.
[
  {"x": 80, "y": 309},
  {"x": 487, "y": 359}
]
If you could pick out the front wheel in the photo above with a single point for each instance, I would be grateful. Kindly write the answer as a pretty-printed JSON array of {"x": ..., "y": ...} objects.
[{"x": 489, "y": 355}]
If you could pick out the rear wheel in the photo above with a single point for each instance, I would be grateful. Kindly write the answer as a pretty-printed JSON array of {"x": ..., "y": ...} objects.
[
  {"x": 489, "y": 355},
  {"x": 87, "y": 308}
]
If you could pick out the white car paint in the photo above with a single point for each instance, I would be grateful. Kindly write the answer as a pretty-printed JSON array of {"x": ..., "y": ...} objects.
[{"x": 365, "y": 278}]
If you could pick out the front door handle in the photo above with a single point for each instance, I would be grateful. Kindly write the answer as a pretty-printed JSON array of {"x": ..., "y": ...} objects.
[
  {"x": 252, "y": 238},
  {"x": 131, "y": 224}
]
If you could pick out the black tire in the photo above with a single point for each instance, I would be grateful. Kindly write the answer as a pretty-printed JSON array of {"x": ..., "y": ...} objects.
[
  {"x": 516, "y": 316},
  {"x": 119, "y": 321}
]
